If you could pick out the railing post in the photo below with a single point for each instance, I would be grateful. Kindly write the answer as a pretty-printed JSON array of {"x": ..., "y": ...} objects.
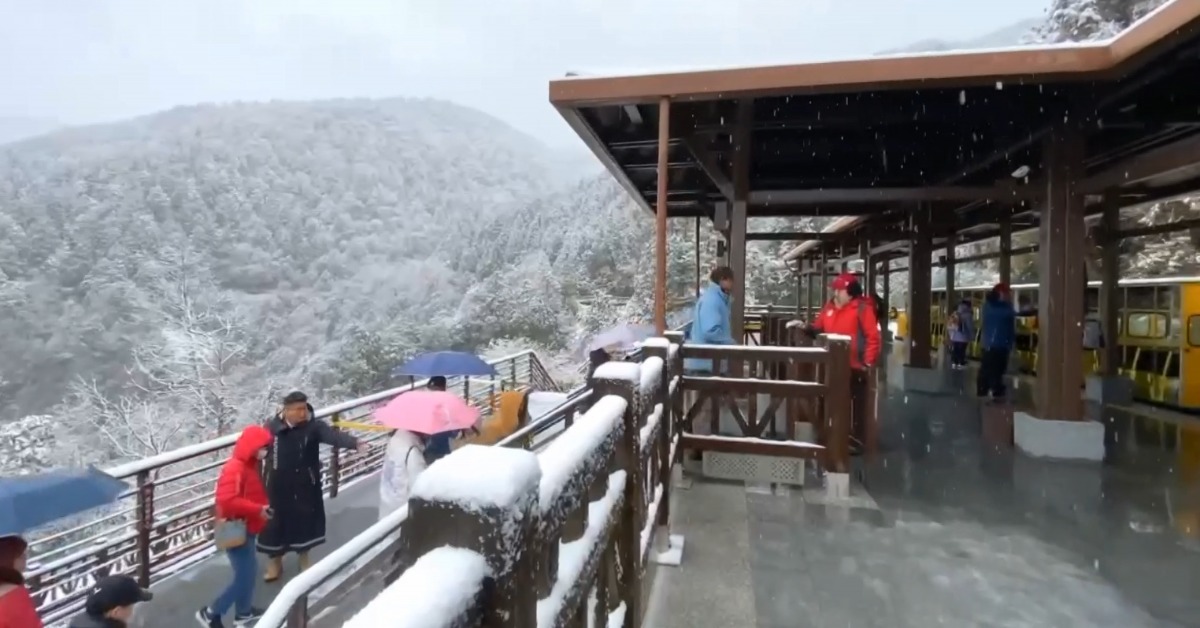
[
  {"x": 145, "y": 523},
  {"x": 607, "y": 381},
  {"x": 512, "y": 365},
  {"x": 499, "y": 526},
  {"x": 297, "y": 616},
  {"x": 662, "y": 398},
  {"x": 837, "y": 402},
  {"x": 335, "y": 461}
]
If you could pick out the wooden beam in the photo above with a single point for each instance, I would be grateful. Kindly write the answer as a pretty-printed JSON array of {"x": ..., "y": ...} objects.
[
  {"x": 890, "y": 195},
  {"x": 660, "y": 217},
  {"x": 710, "y": 165},
  {"x": 796, "y": 236},
  {"x": 1148, "y": 165}
]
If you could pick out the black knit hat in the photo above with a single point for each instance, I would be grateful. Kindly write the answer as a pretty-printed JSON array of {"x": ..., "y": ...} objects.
[{"x": 295, "y": 397}]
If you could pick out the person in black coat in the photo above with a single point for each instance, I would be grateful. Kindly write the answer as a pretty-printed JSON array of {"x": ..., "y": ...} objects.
[{"x": 292, "y": 475}]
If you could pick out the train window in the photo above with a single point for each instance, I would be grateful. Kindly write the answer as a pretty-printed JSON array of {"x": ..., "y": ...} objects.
[
  {"x": 1193, "y": 333},
  {"x": 1140, "y": 298},
  {"x": 1146, "y": 325}
]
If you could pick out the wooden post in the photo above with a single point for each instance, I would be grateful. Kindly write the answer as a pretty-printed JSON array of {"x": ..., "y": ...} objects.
[
  {"x": 660, "y": 215},
  {"x": 629, "y": 534},
  {"x": 836, "y": 378},
  {"x": 500, "y": 530},
  {"x": 665, "y": 435}
]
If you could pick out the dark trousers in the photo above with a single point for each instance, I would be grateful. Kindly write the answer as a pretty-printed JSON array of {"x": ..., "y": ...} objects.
[
  {"x": 860, "y": 404},
  {"x": 993, "y": 364},
  {"x": 958, "y": 353}
]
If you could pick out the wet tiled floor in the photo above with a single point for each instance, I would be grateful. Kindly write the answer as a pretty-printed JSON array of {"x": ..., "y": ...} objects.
[{"x": 960, "y": 534}]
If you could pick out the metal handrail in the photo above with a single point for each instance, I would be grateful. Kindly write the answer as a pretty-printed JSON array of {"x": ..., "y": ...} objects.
[{"x": 131, "y": 469}]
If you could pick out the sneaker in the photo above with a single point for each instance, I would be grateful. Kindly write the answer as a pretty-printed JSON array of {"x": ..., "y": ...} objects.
[
  {"x": 205, "y": 618},
  {"x": 242, "y": 619}
]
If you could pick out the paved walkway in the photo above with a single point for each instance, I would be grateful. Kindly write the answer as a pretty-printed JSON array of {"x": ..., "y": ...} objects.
[
  {"x": 948, "y": 532},
  {"x": 176, "y": 599}
]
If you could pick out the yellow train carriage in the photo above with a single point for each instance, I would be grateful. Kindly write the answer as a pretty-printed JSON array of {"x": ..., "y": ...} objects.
[{"x": 1159, "y": 334}]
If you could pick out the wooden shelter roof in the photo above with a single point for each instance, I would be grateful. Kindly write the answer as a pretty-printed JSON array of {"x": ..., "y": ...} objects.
[{"x": 871, "y": 137}]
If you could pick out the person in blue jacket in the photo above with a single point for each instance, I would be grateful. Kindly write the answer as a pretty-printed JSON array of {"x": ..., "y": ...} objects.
[
  {"x": 710, "y": 321},
  {"x": 998, "y": 335}
]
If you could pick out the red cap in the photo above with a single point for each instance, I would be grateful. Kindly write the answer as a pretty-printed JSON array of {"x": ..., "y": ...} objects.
[
  {"x": 843, "y": 281},
  {"x": 1001, "y": 288}
]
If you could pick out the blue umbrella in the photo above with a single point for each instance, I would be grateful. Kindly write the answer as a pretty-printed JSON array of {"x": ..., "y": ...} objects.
[
  {"x": 31, "y": 501},
  {"x": 446, "y": 364}
]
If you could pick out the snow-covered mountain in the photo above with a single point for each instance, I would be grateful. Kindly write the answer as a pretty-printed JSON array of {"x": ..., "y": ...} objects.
[
  {"x": 15, "y": 129},
  {"x": 999, "y": 38}
]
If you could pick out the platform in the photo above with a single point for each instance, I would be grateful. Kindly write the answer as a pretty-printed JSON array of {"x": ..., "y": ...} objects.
[{"x": 958, "y": 533}]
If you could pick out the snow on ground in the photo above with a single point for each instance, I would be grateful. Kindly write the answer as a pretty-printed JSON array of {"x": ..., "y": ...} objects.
[
  {"x": 438, "y": 588},
  {"x": 541, "y": 403}
]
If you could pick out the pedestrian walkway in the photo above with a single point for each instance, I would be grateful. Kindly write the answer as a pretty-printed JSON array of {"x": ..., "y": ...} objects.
[
  {"x": 177, "y": 599},
  {"x": 947, "y": 532}
]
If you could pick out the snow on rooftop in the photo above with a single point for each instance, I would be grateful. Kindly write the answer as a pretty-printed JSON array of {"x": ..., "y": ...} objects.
[
  {"x": 439, "y": 587},
  {"x": 572, "y": 557},
  {"x": 480, "y": 476},
  {"x": 626, "y": 371},
  {"x": 652, "y": 369},
  {"x": 601, "y": 73},
  {"x": 563, "y": 457}
]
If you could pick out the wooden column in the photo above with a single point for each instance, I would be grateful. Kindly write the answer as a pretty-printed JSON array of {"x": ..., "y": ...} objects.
[
  {"x": 920, "y": 286},
  {"x": 885, "y": 269},
  {"x": 1006, "y": 248},
  {"x": 799, "y": 287},
  {"x": 742, "y": 133},
  {"x": 1110, "y": 293},
  {"x": 809, "y": 293},
  {"x": 824, "y": 280},
  {"x": 864, "y": 253},
  {"x": 951, "y": 271},
  {"x": 660, "y": 216},
  {"x": 1060, "y": 273},
  {"x": 698, "y": 284}
]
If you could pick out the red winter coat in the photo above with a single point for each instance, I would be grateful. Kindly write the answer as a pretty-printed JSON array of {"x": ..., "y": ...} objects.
[
  {"x": 240, "y": 491},
  {"x": 856, "y": 319},
  {"x": 17, "y": 609}
]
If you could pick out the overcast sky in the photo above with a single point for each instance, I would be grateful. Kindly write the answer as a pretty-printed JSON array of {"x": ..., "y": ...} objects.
[{"x": 82, "y": 61}]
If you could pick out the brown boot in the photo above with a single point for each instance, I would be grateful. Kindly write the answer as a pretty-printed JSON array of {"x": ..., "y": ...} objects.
[
  {"x": 274, "y": 569},
  {"x": 305, "y": 562}
]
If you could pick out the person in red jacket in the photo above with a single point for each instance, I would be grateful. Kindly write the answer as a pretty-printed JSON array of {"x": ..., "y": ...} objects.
[
  {"x": 17, "y": 609},
  {"x": 241, "y": 497},
  {"x": 851, "y": 313}
]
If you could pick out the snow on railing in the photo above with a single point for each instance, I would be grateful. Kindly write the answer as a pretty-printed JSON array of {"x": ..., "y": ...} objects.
[{"x": 510, "y": 538}]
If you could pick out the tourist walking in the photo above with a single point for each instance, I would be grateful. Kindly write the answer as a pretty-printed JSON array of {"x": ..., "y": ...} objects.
[
  {"x": 402, "y": 463},
  {"x": 292, "y": 474},
  {"x": 242, "y": 511}
]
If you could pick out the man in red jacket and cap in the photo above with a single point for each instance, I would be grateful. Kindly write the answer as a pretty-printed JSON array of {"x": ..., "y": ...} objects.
[{"x": 851, "y": 313}]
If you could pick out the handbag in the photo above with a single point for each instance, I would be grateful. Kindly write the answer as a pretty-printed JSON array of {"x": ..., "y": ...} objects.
[{"x": 229, "y": 533}]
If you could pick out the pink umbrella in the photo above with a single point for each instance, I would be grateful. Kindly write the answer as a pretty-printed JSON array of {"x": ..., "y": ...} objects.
[{"x": 427, "y": 412}]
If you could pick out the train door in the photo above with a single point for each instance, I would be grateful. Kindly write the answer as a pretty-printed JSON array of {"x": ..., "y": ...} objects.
[{"x": 1189, "y": 372}]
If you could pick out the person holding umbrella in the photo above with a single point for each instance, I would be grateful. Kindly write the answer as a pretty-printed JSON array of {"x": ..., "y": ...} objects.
[
  {"x": 437, "y": 366},
  {"x": 415, "y": 416},
  {"x": 17, "y": 609}
]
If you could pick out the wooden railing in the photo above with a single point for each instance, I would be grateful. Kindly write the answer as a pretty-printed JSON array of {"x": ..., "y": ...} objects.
[
  {"x": 507, "y": 538},
  {"x": 811, "y": 384},
  {"x": 164, "y": 524}
]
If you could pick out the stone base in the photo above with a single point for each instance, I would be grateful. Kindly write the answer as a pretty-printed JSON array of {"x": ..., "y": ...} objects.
[
  {"x": 920, "y": 380},
  {"x": 837, "y": 486},
  {"x": 1062, "y": 440},
  {"x": 997, "y": 425},
  {"x": 1108, "y": 390}
]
